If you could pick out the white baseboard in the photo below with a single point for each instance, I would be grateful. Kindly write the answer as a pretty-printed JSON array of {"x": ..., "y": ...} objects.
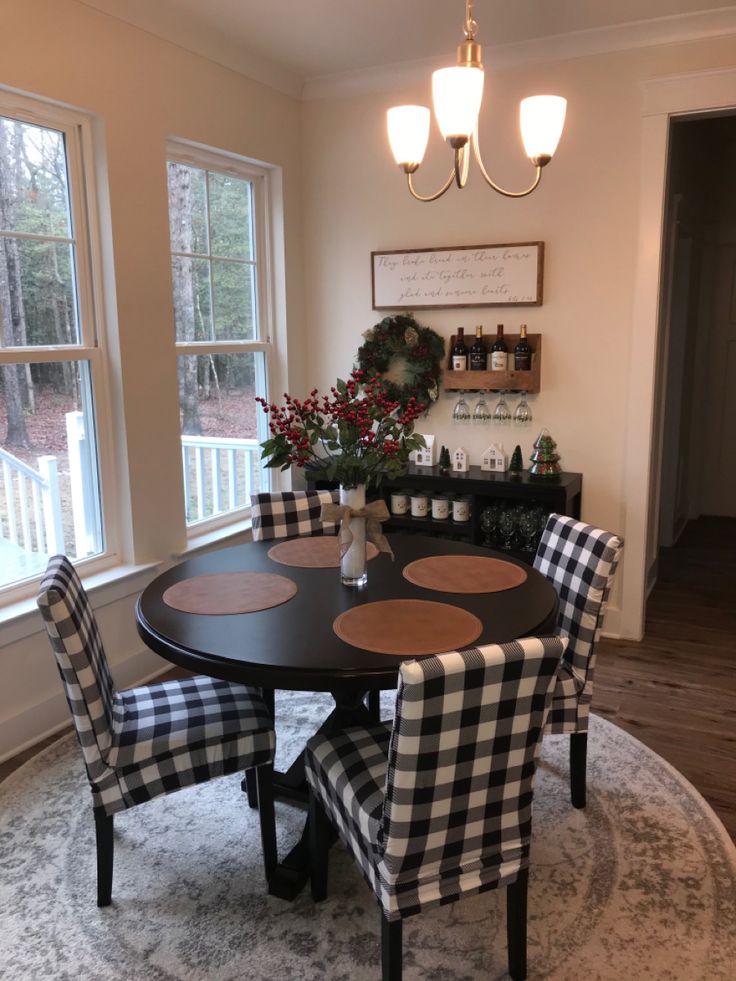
[
  {"x": 612, "y": 625},
  {"x": 35, "y": 723}
]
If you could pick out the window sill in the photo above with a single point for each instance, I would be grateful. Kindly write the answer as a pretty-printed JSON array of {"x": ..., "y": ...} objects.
[
  {"x": 22, "y": 619},
  {"x": 215, "y": 537}
]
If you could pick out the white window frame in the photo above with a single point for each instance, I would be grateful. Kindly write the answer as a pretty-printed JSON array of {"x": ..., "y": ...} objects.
[
  {"x": 261, "y": 176},
  {"x": 77, "y": 128}
]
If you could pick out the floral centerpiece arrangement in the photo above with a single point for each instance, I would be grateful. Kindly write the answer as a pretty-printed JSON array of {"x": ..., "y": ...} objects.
[{"x": 354, "y": 436}]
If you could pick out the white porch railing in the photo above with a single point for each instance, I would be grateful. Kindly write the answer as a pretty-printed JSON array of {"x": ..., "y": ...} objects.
[
  {"x": 220, "y": 474},
  {"x": 31, "y": 511}
]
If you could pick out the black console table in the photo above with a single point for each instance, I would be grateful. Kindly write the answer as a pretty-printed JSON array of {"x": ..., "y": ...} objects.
[{"x": 485, "y": 489}]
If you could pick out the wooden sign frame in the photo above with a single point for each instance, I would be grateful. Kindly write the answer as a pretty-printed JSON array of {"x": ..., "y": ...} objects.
[{"x": 505, "y": 275}]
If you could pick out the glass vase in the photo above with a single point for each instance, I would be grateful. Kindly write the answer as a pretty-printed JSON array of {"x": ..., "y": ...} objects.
[{"x": 353, "y": 565}]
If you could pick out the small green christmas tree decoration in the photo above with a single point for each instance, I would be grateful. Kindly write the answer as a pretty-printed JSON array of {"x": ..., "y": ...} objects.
[
  {"x": 517, "y": 463},
  {"x": 445, "y": 462},
  {"x": 545, "y": 461}
]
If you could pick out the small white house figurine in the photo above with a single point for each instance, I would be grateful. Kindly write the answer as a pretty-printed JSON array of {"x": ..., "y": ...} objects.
[
  {"x": 460, "y": 460},
  {"x": 494, "y": 459},
  {"x": 427, "y": 455}
]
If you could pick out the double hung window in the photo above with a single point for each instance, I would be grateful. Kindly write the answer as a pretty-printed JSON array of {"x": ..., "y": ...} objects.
[
  {"x": 219, "y": 260},
  {"x": 51, "y": 371}
]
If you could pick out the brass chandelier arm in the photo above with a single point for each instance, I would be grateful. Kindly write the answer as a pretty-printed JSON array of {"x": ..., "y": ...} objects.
[
  {"x": 462, "y": 165},
  {"x": 493, "y": 184},
  {"x": 430, "y": 197}
]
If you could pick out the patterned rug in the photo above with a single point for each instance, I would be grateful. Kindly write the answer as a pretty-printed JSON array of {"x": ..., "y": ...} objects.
[{"x": 639, "y": 885}]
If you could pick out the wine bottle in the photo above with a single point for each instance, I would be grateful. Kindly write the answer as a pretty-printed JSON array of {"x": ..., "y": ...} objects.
[
  {"x": 523, "y": 352},
  {"x": 499, "y": 352},
  {"x": 460, "y": 352},
  {"x": 478, "y": 355}
]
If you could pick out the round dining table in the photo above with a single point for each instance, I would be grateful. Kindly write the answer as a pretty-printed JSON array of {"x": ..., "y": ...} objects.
[{"x": 293, "y": 646}]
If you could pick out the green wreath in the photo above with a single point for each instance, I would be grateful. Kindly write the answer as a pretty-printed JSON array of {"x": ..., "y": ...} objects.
[{"x": 406, "y": 356}]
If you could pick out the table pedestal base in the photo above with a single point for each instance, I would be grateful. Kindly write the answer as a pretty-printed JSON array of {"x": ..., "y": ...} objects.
[{"x": 292, "y": 873}]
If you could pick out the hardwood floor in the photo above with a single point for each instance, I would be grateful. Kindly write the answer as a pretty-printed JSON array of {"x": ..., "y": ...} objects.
[{"x": 676, "y": 690}]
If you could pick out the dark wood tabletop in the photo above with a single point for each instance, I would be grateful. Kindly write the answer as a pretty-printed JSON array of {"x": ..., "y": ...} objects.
[{"x": 293, "y": 646}]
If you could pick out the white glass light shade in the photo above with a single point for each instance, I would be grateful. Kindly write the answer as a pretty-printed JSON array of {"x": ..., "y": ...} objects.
[
  {"x": 457, "y": 94},
  {"x": 408, "y": 132},
  {"x": 542, "y": 118}
]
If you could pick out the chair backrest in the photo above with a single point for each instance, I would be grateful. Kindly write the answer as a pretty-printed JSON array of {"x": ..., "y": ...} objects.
[
  {"x": 580, "y": 560},
  {"x": 461, "y": 764},
  {"x": 291, "y": 513},
  {"x": 80, "y": 657}
]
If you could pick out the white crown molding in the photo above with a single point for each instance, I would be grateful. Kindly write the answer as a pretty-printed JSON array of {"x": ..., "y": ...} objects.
[{"x": 677, "y": 29}]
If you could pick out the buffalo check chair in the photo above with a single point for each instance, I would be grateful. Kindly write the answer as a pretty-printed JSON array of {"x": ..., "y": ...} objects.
[
  {"x": 439, "y": 805},
  {"x": 144, "y": 742},
  {"x": 275, "y": 515},
  {"x": 580, "y": 561}
]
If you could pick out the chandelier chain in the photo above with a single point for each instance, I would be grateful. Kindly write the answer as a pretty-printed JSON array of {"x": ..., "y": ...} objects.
[{"x": 471, "y": 25}]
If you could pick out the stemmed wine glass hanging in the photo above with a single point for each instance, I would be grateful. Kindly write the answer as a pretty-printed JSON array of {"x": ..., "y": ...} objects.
[
  {"x": 461, "y": 411},
  {"x": 523, "y": 412},
  {"x": 482, "y": 411},
  {"x": 501, "y": 411}
]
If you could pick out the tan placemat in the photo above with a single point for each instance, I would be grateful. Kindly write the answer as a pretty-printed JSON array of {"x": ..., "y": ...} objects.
[
  {"x": 464, "y": 574},
  {"x": 229, "y": 592},
  {"x": 407, "y": 627},
  {"x": 320, "y": 552}
]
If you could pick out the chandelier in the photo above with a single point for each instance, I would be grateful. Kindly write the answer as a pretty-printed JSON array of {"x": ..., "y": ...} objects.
[{"x": 456, "y": 95}]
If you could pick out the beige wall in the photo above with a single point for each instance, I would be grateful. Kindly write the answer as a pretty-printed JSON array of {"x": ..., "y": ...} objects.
[
  {"x": 586, "y": 211},
  {"x": 141, "y": 90}
]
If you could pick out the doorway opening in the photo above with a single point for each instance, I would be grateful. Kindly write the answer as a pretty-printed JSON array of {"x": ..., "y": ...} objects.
[{"x": 694, "y": 490}]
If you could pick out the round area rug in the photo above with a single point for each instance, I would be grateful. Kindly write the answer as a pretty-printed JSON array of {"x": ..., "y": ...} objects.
[{"x": 641, "y": 884}]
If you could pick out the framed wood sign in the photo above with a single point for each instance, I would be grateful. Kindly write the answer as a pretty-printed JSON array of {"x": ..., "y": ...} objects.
[{"x": 460, "y": 276}]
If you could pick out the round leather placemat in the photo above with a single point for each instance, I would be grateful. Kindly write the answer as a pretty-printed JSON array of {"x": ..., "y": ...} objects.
[
  {"x": 464, "y": 574},
  {"x": 407, "y": 627},
  {"x": 230, "y": 592},
  {"x": 320, "y": 552}
]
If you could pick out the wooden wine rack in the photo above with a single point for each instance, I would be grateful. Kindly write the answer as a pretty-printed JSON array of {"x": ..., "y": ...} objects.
[{"x": 495, "y": 381}]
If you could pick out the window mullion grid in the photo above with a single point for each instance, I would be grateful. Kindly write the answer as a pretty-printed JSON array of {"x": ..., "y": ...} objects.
[
  {"x": 82, "y": 264},
  {"x": 222, "y": 347},
  {"x": 208, "y": 212},
  {"x": 46, "y": 355},
  {"x": 37, "y": 237}
]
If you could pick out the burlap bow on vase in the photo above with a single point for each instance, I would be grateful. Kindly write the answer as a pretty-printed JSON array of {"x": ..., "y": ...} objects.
[{"x": 374, "y": 513}]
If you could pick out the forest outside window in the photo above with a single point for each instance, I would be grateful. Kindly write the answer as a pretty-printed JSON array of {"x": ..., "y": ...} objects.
[
  {"x": 50, "y": 367},
  {"x": 217, "y": 216}
]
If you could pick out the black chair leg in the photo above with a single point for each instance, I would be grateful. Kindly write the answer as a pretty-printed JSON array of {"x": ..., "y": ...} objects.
[
  {"x": 264, "y": 788},
  {"x": 319, "y": 847},
  {"x": 269, "y": 697},
  {"x": 104, "y": 839},
  {"x": 578, "y": 757},
  {"x": 390, "y": 949},
  {"x": 516, "y": 925},
  {"x": 374, "y": 706},
  {"x": 249, "y": 783},
  {"x": 249, "y": 786}
]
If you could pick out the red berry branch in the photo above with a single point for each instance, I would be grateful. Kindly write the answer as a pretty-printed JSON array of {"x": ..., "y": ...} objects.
[{"x": 354, "y": 435}]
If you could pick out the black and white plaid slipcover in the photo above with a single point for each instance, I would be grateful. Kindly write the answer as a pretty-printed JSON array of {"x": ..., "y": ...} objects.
[
  {"x": 291, "y": 513},
  {"x": 440, "y": 804},
  {"x": 580, "y": 561},
  {"x": 143, "y": 742}
]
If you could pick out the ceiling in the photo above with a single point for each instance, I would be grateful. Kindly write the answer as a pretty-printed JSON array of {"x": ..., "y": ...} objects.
[{"x": 303, "y": 40}]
